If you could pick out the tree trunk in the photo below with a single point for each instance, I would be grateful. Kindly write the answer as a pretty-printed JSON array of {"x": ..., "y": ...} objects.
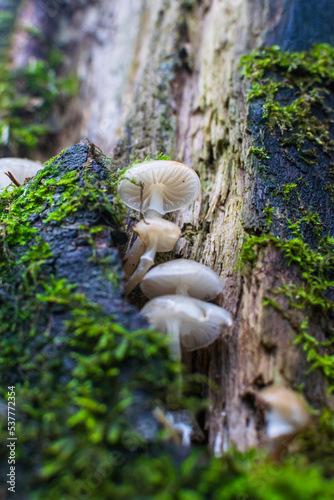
[
  {"x": 169, "y": 76},
  {"x": 164, "y": 76}
]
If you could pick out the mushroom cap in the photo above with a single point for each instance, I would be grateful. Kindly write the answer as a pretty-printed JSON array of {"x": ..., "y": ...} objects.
[
  {"x": 288, "y": 412},
  {"x": 168, "y": 233},
  {"x": 200, "y": 322},
  {"x": 19, "y": 167},
  {"x": 180, "y": 185},
  {"x": 198, "y": 280}
]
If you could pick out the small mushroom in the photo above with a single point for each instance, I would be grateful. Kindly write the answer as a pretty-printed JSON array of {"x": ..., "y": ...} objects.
[
  {"x": 286, "y": 417},
  {"x": 181, "y": 425},
  {"x": 160, "y": 186},
  {"x": 157, "y": 235},
  {"x": 192, "y": 323},
  {"x": 182, "y": 277},
  {"x": 19, "y": 168}
]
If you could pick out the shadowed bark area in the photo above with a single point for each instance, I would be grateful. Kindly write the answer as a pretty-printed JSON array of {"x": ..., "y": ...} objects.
[{"x": 296, "y": 25}]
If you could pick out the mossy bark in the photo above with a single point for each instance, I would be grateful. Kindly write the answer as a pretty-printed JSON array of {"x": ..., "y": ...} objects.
[
  {"x": 181, "y": 91},
  {"x": 61, "y": 276}
]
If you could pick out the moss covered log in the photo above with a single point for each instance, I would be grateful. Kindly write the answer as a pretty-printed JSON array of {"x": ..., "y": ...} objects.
[{"x": 80, "y": 376}]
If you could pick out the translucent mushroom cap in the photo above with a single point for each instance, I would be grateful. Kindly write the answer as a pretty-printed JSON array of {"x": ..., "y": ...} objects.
[
  {"x": 166, "y": 186},
  {"x": 198, "y": 323},
  {"x": 19, "y": 167},
  {"x": 181, "y": 276},
  {"x": 288, "y": 412},
  {"x": 166, "y": 232}
]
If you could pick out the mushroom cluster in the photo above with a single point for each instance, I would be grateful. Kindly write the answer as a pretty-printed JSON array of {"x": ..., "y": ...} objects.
[
  {"x": 179, "y": 289},
  {"x": 155, "y": 188}
]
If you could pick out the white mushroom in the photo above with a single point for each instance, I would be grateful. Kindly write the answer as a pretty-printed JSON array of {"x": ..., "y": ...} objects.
[
  {"x": 286, "y": 417},
  {"x": 20, "y": 168},
  {"x": 160, "y": 186},
  {"x": 192, "y": 323},
  {"x": 182, "y": 277},
  {"x": 181, "y": 426},
  {"x": 157, "y": 235}
]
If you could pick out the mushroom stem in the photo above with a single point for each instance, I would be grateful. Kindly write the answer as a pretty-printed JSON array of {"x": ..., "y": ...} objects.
[
  {"x": 173, "y": 329},
  {"x": 182, "y": 289},
  {"x": 150, "y": 212},
  {"x": 156, "y": 204},
  {"x": 132, "y": 257},
  {"x": 145, "y": 263}
]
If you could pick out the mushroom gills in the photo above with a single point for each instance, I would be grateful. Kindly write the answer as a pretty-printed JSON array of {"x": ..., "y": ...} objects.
[
  {"x": 195, "y": 322},
  {"x": 159, "y": 186}
]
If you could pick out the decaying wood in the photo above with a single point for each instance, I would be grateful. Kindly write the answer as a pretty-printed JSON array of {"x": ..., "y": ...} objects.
[
  {"x": 166, "y": 78},
  {"x": 195, "y": 109}
]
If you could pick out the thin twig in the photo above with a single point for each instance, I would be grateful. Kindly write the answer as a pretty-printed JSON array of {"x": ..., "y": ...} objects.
[{"x": 12, "y": 178}]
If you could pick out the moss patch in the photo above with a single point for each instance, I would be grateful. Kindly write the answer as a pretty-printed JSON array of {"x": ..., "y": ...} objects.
[{"x": 301, "y": 78}]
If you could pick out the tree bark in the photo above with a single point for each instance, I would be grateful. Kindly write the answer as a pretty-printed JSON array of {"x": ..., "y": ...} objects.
[{"x": 167, "y": 78}]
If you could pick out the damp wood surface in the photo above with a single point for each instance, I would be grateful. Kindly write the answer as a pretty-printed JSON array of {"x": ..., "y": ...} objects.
[{"x": 167, "y": 79}]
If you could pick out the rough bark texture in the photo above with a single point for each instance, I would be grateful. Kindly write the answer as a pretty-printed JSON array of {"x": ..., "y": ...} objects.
[{"x": 166, "y": 78}]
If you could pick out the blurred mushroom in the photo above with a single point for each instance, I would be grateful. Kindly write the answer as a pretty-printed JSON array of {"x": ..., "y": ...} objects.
[
  {"x": 192, "y": 323},
  {"x": 160, "y": 186},
  {"x": 19, "y": 168},
  {"x": 286, "y": 417},
  {"x": 157, "y": 235},
  {"x": 181, "y": 425},
  {"x": 182, "y": 277}
]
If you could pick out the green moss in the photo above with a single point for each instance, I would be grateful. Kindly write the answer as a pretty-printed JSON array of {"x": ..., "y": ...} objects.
[
  {"x": 260, "y": 153},
  {"x": 330, "y": 187},
  {"x": 189, "y": 232},
  {"x": 271, "y": 70},
  {"x": 287, "y": 191},
  {"x": 269, "y": 214},
  {"x": 317, "y": 443}
]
